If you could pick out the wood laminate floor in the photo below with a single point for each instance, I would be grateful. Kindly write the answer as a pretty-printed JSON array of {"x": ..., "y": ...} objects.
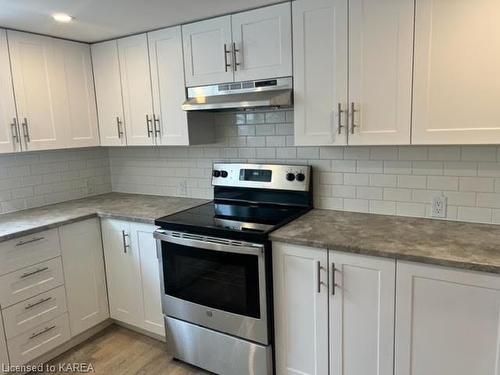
[{"x": 119, "y": 351}]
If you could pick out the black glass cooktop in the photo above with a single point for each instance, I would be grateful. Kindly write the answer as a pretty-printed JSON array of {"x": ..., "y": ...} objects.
[{"x": 243, "y": 221}]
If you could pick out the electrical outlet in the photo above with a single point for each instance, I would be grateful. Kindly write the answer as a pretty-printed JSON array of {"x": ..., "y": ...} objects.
[
  {"x": 439, "y": 206},
  {"x": 90, "y": 186},
  {"x": 182, "y": 188}
]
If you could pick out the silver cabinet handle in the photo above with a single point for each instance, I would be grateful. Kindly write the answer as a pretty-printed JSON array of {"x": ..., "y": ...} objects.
[
  {"x": 30, "y": 306},
  {"x": 339, "y": 120},
  {"x": 125, "y": 244},
  {"x": 235, "y": 58},
  {"x": 36, "y": 239},
  {"x": 353, "y": 123},
  {"x": 320, "y": 267},
  {"x": 156, "y": 122},
  {"x": 45, "y": 330},
  {"x": 148, "y": 126},
  {"x": 28, "y": 274},
  {"x": 226, "y": 52},
  {"x": 333, "y": 279},
  {"x": 26, "y": 130},
  {"x": 119, "y": 127},
  {"x": 15, "y": 132}
]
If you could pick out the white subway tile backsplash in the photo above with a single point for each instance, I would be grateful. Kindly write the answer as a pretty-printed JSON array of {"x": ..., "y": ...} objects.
[
  {"x": 434, "y": 168},
  {"x": 475, "y": 214},
  {"x": 383, "y": 180},
  {"x": 407, "y": 181},
  {"x": 479, "y": 153},
  {"x": 369, "y": 166},
  {"x": 478, "y": 184},
  {"x": 399, "y": 195},
  {"x": 442, "y": 183},
  {"x": 383, "y": 207},
  {"x": 450, "y": 153}
]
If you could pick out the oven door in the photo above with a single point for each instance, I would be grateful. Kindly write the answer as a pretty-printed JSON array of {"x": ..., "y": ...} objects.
[{"x": 215, "y": 283}]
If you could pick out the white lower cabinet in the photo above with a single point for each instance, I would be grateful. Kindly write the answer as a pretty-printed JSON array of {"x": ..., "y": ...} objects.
[
  {"x": 132, "y": 274},
  {"x": 4, "y": 357},
  {"x": 84, "y": 274},
  {"x": 447, "y": 321},
  {"x": 349, "y": 328}
]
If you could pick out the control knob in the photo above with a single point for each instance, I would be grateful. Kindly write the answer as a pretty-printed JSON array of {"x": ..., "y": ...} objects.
[
  {"x": 216, "y": 173},
  {"x": 290, "y": 176},
  {"x": 223, "y": 174},
  {"x": 300, "y": 177}
]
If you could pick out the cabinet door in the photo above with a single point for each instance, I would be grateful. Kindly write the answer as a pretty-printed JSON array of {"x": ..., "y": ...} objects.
[
  {"x": 122, "y": 273},
  {"x": 108, "y": 91},
  {"x": 320, "y": 71},
  {"x": 300, "y": 309},
  {"x": 167, "y": 77},
  {"x": 207, "y": 56},
  {"x": 143, "y": 241},
  {"x": 361, "y": 314},
  {"x": 4, "y": 358},
  {"x": 380, "y": 69},
  {"x": 263, "y": 42},
  {"x": 84, "y": 274},
  {"x": 136, "y": 88},
  {"x": 10, "y": 140},
  {"x": 39, "y": 89},
  {"x": 457, "y": 54},
  {"x": 81, "y": 127},
  {"x": 447, "y": 321}
]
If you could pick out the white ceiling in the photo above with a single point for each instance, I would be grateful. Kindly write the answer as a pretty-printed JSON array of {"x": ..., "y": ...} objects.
[{"x": 97, "y": 20}]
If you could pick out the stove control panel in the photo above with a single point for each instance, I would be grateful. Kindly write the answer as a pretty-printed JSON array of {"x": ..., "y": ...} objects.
[{"x": 262, "y": 176}]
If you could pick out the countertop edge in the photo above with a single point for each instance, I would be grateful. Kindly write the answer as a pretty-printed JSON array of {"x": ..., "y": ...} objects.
[{"x": 451, "y": 263}]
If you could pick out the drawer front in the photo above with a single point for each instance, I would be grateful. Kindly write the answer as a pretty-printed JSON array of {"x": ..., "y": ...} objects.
[
  {"x": 39, "y": 340},
  {"x": 28, "y": 314},
  {"x": 28, "y": 250},
  {"x": 30, "y": 281}
]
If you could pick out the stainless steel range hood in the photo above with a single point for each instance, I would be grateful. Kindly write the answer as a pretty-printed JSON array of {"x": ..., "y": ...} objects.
[{"x": 251, "y": 94}]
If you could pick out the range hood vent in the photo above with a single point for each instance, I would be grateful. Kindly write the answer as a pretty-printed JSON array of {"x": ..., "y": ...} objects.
[{"x": 239, "y": 95}]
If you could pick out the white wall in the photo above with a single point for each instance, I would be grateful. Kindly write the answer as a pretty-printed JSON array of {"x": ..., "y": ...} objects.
[
  {"x": 38, "y": 178},
  {"x": 386, "y": 180}
]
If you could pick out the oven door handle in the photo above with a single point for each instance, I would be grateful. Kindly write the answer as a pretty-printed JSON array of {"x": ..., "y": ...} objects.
[{"x": 211, "y": 243}]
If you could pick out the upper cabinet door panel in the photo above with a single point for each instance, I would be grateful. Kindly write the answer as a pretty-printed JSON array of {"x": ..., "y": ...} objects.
[
  {"x": 167, "y": 78},
  {"x": 456, "y": 89},
  {"x": 9, "y": 136},
  {"x": 82, "y": 130},
  {"x": 320, "y": 71},
  {"x": 380, "y": 68},
  {"x": 207, "y": 46},
  {"x": 108, "y": 93},
  {"x": 263, "y": 43},
  {"x": 39, "y": 90},
  {"x": 136, "y": 88}
]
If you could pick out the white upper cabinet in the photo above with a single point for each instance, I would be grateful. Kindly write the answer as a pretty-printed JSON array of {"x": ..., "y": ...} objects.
[
  {"x": 262, "y": 43},
  {"x": 39, "y": 89},
  {"x": 136, "y": 89},
  {"x": 108, "y": 93},
  {"x": 10, "y": 139},
  {"x": 301, "y": 309},
  {"x": 207, "y": 51},
  {"x": 457, "y": 55},
  {"x": 380, "y": 71},
  {"x": 167, "y": 77},
  {"x": 447, "y": 321},
  {"x": 320, "y": 71},
  {"x": 361, "y": 314},
  {"x": 81, "y": 127}
]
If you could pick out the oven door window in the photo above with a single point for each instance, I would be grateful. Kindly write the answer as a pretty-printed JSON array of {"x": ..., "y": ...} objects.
[{"x": 220, "y": 280}]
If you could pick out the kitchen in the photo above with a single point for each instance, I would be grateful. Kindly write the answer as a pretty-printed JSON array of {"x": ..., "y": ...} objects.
[{"x": 250, "y": 187}]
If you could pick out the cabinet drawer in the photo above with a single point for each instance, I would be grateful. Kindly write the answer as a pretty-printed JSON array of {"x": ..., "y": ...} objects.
[
  {"x": 30, "y": 281},
  {"x": 28, "y": 314},
  {"x": 25, "y": 251},
  {"x": 39, "y": 340}
]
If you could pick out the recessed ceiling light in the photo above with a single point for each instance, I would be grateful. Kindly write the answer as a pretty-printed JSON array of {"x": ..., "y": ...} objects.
[{"x": 62, "y": 17}]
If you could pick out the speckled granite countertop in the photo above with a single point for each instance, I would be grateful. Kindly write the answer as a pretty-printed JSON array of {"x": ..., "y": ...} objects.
[
  {"x": 132, "y": 207},
  {"x": 447, "y": 243}
]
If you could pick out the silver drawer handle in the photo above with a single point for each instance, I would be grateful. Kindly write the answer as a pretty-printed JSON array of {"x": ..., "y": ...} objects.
[
  {"x": 30, "y": 306},
  {"x": 28, "y": 274},
  {"x": 36, "y": 239},
  {"x": 47, "y": 329}
]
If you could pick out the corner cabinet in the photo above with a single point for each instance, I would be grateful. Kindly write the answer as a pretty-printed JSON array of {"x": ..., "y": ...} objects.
[
  {"x": 133, "y": 275},
  {"x": 447, "y": 321},
  {"x": 331, "y": 309},
  {"x": 352, "y": 71},
  {"x": 245, "y": 46}
]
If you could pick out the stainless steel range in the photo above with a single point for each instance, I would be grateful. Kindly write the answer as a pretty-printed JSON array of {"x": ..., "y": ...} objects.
[{"x": 216, "y": 269}]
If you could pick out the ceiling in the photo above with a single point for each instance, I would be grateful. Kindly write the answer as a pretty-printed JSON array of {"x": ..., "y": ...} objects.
[{"x": 97, "y": 20}]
